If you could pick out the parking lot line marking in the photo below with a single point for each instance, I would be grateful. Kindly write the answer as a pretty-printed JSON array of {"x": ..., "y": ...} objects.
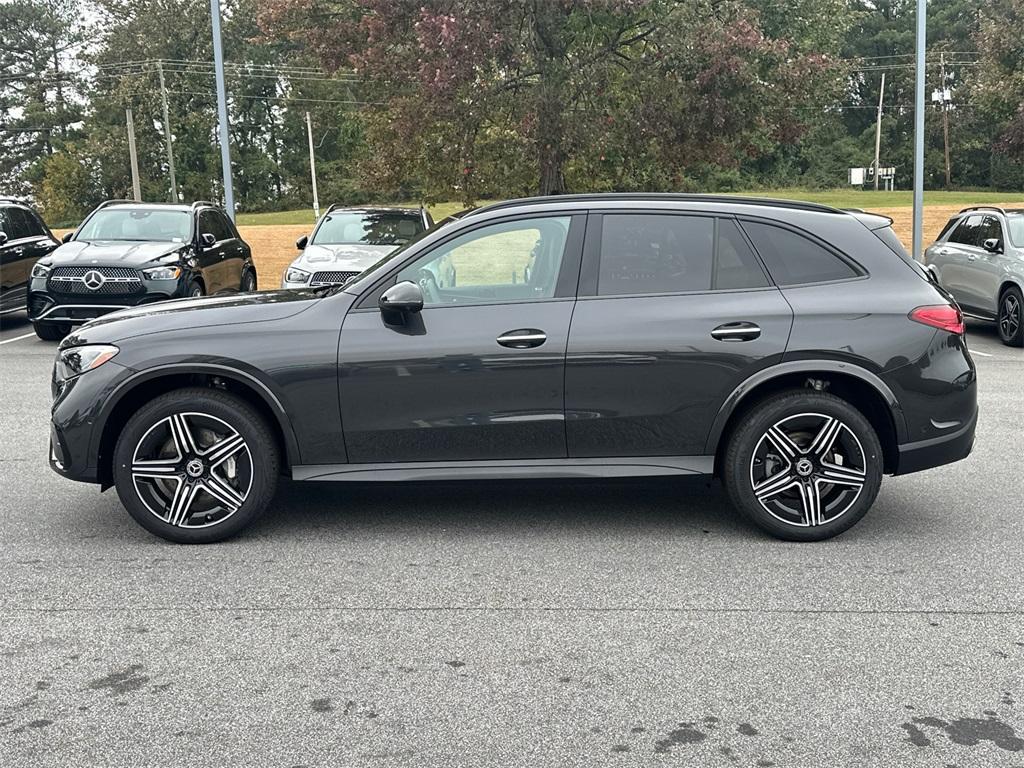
[
  {"x": 13, "y": 309},
  {"x": 983, "y": 354},
  {"x": 17, "y": 338}
]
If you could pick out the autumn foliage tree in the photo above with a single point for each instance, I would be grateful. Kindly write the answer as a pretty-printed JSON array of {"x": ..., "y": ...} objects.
[{"x": 517, "y": 96}]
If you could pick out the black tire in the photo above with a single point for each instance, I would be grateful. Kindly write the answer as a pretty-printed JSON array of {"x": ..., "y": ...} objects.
[
  {"x": 195, "y": 289},
  {"x": 51, "y": 331},
  {"x": 252, "y": 477},
  {"x": 248, "y": 282},
  {"x": 1010, "y": 317},
  {"x": 854, "y": 456}
]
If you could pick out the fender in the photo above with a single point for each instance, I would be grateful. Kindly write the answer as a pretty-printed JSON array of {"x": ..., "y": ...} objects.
[
  {"x": 266, "y": 393},
  {"x": 801, "y": 366}
]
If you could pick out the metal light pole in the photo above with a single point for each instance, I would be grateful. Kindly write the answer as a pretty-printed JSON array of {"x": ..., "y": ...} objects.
[
  {"x": 222, "y": 110},
  {"x": 312, "y": 167},
  {"x": 919, "y": 131},
  {"x": 878, "y": 131},
  {"x": 132, "y": 156},
  {"x": 167, "y": 132}
]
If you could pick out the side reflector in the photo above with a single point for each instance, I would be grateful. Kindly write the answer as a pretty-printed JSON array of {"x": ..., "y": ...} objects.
[{"x": 945, "y": 317}]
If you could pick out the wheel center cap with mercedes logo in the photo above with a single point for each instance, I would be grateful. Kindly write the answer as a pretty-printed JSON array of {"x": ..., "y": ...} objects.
[
  {"x": 194, "y": 468},
  {"x": 93, "y": 280},
  {"x": 804, "y": 467}
]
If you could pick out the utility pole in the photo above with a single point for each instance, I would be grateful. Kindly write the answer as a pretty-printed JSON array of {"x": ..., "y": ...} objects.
[
  {"x": 167, "y": 132},
  {"x": 222, "y": 110},
  {"x": 946, "y": 105},
  {"x": 312, "y": 167},
  {"x": 136, "y": 186},
  {"x": 921, "y": 39},
  {"x": 878, "y": 130}
]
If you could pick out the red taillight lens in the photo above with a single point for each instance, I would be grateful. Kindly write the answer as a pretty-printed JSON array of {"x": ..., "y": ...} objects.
[{"x": 945, "y": 317}]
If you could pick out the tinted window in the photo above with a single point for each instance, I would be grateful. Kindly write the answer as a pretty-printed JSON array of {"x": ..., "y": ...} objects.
[
  {"x": 949, "y": 225},
  {"x": 510, "y": 261},
  {"x": 221, "y": 226},
  {"x": 968, "y": 233},
  {"x": 22, "y": 224},
  {"x": 736, "y": 266},
  {"x": 651, "y": 253},
  {"x": 990, "y": 229},
  {"x": 211, "y": 222},
  {"x": 368, "y": 228},
  {"x": 5, "y": 224},
  {"x": 793, "y": 259}
]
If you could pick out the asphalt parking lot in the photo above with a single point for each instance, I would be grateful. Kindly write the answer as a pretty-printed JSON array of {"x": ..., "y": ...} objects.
[{"x": 515, "y": 624}]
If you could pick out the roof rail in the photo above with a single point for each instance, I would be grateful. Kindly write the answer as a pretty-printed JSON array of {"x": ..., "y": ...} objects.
[
  {"x": 105, "y": 203},
  {"x": 984, "y": 208},
  {"x": 668, "y": 196},
  {"x": 197, "y": 203}
]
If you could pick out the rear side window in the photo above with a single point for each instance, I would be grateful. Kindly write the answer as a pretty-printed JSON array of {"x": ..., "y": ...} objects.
[
  {"x": 969, "y": 232},
  {"x": 793, "y": 259},
  {"x": 652, "y": 253}
]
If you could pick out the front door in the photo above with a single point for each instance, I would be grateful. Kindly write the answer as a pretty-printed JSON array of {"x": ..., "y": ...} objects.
[
  {"x": 478, "y": 374},
  {"x": 211, "y": 257},
  {"x": 679, "y": 313}
]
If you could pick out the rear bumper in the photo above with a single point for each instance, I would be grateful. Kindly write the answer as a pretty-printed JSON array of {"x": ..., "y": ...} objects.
[{"x": 936, "y": 451}]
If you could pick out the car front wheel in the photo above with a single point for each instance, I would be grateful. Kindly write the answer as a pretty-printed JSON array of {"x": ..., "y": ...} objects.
[
  {"x": 195, "y": 466},
  {"x": 803, "y": 466},
  {"x": 51, "y": 331}
]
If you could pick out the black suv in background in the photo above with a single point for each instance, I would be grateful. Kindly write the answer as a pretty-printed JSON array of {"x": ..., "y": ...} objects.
[
  {"x": 794, "y": 350},
  {"x": 127, "y": 253},
  {"x": 24, "y": 239}
]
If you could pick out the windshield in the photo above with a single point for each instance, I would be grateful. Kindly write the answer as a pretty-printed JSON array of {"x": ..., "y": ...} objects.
[
  {"x": 1015, "y": 223},
  {"x": 368, "y": 228},
  {"x": 168, "y": 226}
]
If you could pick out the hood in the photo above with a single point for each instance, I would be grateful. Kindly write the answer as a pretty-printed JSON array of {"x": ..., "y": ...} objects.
[
  {"x": 119, "y": 253},
  {"x": 185, "y": 314},
  {"x": 354, "y": 257}
]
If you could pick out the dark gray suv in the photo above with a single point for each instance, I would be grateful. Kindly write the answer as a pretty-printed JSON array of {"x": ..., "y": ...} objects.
[
  {"x": 979, "y": 258},
  {"x": 793, "y": 350}
]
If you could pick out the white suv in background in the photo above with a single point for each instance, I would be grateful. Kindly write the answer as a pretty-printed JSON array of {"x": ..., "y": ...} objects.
[{"x": 345, "y": 241}]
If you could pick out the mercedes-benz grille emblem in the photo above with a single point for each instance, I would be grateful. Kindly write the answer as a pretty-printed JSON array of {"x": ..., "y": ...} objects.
[{"x": 93, "y": 280}]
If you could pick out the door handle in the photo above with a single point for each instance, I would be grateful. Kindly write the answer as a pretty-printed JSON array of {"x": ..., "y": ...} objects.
[
  {"x": 523, "y": 338},
  {"x": 972, "y": 256},
  {"x": 739, "y": 331}
]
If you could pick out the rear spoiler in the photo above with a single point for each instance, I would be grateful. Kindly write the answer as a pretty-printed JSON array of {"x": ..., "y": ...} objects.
[{"x": 872, "y": 221}]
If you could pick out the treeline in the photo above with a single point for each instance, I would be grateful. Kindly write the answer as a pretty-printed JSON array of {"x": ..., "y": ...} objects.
[{"x": 466, "y": 99}]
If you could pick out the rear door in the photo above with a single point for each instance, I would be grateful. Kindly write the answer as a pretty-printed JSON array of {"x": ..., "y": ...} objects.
[
  {"x": 233, "y": 251},
  {"x": 27, "y": 241},
  {"x": 674, "y": 312},
  {"x": 962, "y": 247}
]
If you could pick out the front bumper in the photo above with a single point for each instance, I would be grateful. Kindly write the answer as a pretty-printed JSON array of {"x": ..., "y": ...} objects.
[
  {"x": 936, "y": 451},
  {"x": 48, "y": 306}
]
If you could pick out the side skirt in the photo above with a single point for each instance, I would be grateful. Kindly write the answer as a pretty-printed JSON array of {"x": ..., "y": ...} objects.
[{"x": 619, "y": 466}]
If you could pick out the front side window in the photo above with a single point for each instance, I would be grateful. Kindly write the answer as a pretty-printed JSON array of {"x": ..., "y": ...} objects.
[
  {"x": 793, "y": 259},
  {"x": 368, "y": 228},
  {"x": 510, "y": 261},
  {"x": 22, "y": 224},
  {"x": 991, "y": 230},
  {"x": 137, "y": 224}
]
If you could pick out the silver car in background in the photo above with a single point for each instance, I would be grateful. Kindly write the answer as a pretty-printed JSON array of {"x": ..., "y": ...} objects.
[
  {"x": 979, "y": 258},
  {"x": 345, "y": 241}
]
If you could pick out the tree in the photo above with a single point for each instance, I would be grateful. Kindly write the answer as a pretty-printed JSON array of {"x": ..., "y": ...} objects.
[{"x": 38, "y": 108}]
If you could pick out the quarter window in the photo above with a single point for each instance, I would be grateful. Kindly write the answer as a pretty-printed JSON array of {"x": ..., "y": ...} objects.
[
  {"x": 793, "y": 259},
  {"x": 510, "y": 261}
]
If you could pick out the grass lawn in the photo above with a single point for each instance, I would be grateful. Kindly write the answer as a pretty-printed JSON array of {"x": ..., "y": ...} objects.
[{"x": 838, "y": 198}]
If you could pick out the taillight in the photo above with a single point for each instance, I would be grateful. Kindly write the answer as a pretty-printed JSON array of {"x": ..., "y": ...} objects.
[{"x": 945, "y": 317}]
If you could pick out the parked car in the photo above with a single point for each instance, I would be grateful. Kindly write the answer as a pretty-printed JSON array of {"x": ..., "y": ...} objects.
[
  {"x": 793, "y": 350},
  {"x": 345, "y": 241},
  {"x": 126, "y": 253},
  {"x": 24, "y": 239},
  {"x": 979, "y": 259}
]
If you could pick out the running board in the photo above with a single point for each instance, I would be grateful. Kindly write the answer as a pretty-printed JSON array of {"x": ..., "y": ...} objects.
[{"x": 619, "y": 466}]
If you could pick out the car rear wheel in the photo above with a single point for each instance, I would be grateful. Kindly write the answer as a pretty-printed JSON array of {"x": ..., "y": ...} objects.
[
  {"x": 1011, "y": 317},
  {"x": 51, "y": 331},
  {"x": 803, "y": 466},
  {"x": 195, "y": 466},
  {"x": 248, "y": 281}
]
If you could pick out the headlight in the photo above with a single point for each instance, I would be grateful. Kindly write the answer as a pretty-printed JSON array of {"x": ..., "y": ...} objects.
[
  {"x": 162, "y": 273},
  {"x": 40, "y": 270},
  {"x": 294, "y": 275},
  {"x": 74, "y": 361}
]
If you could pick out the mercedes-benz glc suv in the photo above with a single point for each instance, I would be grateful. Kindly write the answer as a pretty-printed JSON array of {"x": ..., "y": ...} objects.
[
  {"x": 793, "y": 350},
  {"x": 127, "y": 253},
  {"x": 345, "y": 241}
]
